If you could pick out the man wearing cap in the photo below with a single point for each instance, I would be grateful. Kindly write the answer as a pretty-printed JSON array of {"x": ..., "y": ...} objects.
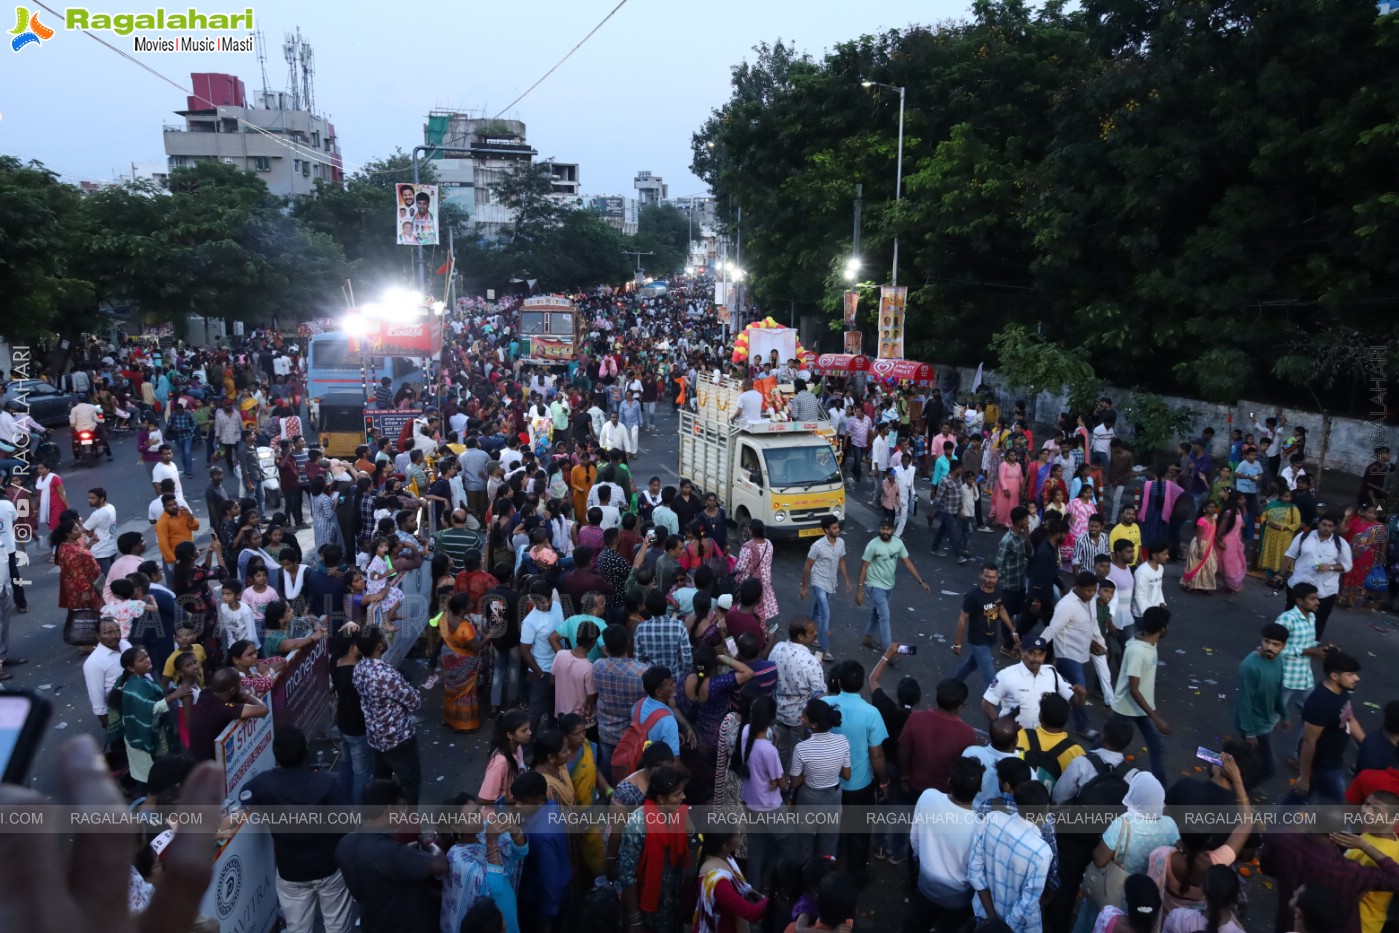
[
  {"x": 1017, "y": 689},
  {"x": 1375, "y": 478}
]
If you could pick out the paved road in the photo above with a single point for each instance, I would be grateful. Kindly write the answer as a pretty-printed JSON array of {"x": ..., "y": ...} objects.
[{"x": 1209, "y": 635}]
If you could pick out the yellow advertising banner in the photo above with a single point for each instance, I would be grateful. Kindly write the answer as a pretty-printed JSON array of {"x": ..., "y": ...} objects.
[
  {"x": 854, "y": 341},
  {"x": 892, "y": 299}
]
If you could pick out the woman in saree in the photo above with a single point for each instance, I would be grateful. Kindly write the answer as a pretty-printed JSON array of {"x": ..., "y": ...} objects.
[
  {"x": 1202, "y": 558},
  {"x": 461, "y": 666},
  {"x": 1009, "y": 482},
  {"x": 589, "y": 785},
  {"x": 79, "y": 576},
  {"x": 727, "y": 902},
  {"x": 1369, "y": 542},
  {"x": 1233, "y": 559},
  {"x": 1281, "y": 522}
]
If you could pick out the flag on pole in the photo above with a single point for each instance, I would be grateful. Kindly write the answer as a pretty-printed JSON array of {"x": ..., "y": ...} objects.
[
  {"x": 442, "y": 269},
  {"x": 976, "y": 380}
]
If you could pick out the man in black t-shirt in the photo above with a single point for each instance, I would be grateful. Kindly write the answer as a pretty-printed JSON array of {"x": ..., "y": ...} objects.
[
  {"x": 981, "y": 623},
  {"x": 1329, "y": 726}
]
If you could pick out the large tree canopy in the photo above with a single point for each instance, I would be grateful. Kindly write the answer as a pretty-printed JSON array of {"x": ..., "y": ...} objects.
[{"x": 1200, "y": 196}]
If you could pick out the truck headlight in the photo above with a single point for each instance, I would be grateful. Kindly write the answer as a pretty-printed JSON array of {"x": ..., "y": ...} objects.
[
  {"x": 837, "y": 511},
  {"x": 779, "y": 516}
]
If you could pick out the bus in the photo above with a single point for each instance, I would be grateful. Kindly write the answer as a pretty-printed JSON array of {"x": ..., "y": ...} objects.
[
  {"x": 334, "y": 366},
  {"x": 552, "y": 328}
]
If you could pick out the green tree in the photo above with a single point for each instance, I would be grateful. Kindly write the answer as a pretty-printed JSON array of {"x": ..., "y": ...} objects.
[
  {"x": 41, "y": 227},
  {"x": 662, "y": 229},
  {"x": 1034, "y": 364}
]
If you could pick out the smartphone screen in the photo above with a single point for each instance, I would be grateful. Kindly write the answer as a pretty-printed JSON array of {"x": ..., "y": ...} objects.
[
  {"x": 732, "y": 645},
  {"x": 908, "y": 649},
  {"x": 22, "y": 718},
  {"x": 1204, "y": 754}
]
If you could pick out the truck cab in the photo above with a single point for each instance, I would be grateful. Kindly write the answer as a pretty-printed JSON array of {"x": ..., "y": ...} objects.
[
  {"x": 784, "y": 473},
  {"x": 788, "y": 480}
]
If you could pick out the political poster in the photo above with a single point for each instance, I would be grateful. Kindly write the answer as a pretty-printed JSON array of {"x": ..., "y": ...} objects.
[
  {"x": 852, "y": 301},
  {"x": 892, "y": 299},
  {"x": 415, "y": 214},
  {"x": 854, "y": 340}
]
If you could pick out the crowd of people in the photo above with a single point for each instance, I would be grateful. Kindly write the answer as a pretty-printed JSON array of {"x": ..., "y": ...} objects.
[{"x": 627, "y": 656}]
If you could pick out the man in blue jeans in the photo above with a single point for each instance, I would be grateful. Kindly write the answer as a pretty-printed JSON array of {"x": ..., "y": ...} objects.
[
  {"x": 983, "y": 614},
  {"x": 881, "y": 559},
  {"x": 1135, "y": 697},
  {"x": 1074, "y": 632},
  {"x": 1329, "y": 726},
  {"x": 825, "y": 557}
]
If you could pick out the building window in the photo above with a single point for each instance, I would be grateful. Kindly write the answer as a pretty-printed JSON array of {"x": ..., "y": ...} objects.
[
  {"x": 262, "y": 163},
  {"x": 306, "y": 169}
]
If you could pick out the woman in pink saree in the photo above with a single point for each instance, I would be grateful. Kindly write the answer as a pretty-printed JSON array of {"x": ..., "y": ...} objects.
[
  {"x": 1202, "y": 558},
  {"x": 1233, "y": 560},
  {"x": 1009, "y": 479}
]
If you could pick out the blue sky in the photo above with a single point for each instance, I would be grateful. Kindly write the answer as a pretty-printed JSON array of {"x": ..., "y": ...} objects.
[{"x": 628, "y": 100}]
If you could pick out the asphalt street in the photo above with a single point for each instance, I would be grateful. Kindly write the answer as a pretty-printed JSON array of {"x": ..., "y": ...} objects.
[{"x": 1209, "y": 636}]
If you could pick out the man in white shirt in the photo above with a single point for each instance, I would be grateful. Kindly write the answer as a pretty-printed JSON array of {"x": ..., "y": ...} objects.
[
  {"x": 457, "y": 423},
  {"x": 1020, "y": 687},
  {"x": 101, "y": 525},
  {"x": 13, "y": 424},
  {"x": 1148, "y": 588},
  {"x": 1002, "y": 733},
  {"x": 799, "y": 679},
  {"x": 83, "y": 417},
  {"x": 1073, "y": 630},
  {"x": 749, "y": 406},
  {"x": 941, "y": 836},
  {"x": 904, "y": 475},
  {"x": 613, "y": 436},
  {"x": 1318, "y": 557},
  {"x": 103, "y": 667},
  {"x": 1101, "y": 442},
  {"x": 167, "y": 469}
]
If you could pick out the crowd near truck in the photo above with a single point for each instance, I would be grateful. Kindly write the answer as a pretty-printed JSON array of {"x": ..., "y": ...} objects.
[{"x": 784, "y": 473}]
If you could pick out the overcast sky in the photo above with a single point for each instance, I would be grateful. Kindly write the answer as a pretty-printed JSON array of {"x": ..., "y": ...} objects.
[{"x": 628, "y": 100}]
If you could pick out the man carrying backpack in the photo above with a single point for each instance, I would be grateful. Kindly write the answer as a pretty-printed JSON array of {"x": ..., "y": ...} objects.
[
  {"x": 1048, "y": 748},
  {"x": 1096, "y": 781},
  {"x": 1100, "y": 773}
]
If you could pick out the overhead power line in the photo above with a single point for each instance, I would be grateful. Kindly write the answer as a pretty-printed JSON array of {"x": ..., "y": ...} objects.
[{"x": 562, "y": 60}]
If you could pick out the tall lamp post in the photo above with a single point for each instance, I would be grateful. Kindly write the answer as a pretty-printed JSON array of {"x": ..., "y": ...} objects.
[{"x": 899, "y": 169}]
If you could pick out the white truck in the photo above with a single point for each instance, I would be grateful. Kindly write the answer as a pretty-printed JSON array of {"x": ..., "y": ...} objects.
[{"x": 784, "y": 473}]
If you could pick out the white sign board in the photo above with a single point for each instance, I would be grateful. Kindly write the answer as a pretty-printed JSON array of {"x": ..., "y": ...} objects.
[
  {"x": 243, "y": 893},
  {"x": 244, "y": 749}
]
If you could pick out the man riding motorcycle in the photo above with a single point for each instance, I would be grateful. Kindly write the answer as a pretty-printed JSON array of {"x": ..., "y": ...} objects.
[
  {"x": 13, "y": 423},
  {"x": 83, "y": 417}
]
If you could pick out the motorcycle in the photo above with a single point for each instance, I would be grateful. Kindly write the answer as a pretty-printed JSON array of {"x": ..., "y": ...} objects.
[{"x": 87, "y": 448}]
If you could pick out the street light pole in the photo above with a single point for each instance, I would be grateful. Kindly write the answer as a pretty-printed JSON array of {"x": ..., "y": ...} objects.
[
  {"x": 899, "y": 167},
  {"x": 899, "y": 183}
]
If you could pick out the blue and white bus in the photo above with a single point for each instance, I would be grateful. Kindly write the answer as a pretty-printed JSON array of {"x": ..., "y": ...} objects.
[{"x": 333, "y": 369}]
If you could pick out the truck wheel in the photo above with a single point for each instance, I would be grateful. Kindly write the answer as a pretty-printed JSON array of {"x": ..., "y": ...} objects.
[{"x": 742, "y": 522}]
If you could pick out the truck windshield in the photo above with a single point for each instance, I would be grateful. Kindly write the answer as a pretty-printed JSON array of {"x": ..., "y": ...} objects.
[{"x": 801, "y": 466}]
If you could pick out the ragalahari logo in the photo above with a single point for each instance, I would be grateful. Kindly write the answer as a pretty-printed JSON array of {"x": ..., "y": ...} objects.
[{"x": 28, "y": 30}]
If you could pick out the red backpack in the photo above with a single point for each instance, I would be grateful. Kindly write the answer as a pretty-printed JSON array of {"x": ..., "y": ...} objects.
[{"x": 626, "y": 757}]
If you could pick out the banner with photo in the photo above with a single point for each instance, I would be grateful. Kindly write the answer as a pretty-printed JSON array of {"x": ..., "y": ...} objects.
[
  {"x": 415, "y": 214},
  {"x": 892, "y": 299},
  {"x": 854, "y": 340},
  {"x": 852, "y": 301}
]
